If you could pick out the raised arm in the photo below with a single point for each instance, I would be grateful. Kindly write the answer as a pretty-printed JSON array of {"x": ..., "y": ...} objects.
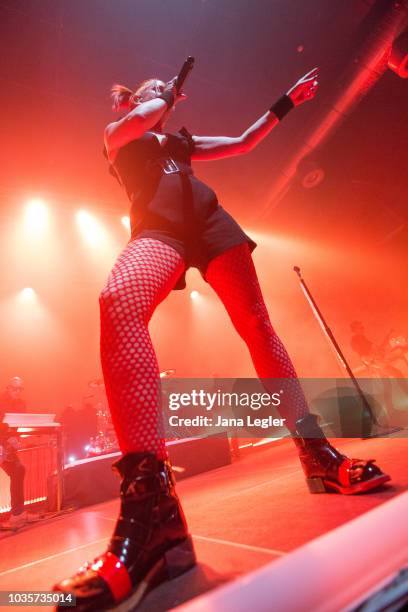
[
  {"x": 134, "y": 124},
  {"x": 145, "y": 115},
  {"x": 217, "y": 147}
]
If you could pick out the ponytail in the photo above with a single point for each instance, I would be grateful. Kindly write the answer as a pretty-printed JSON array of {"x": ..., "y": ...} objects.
[{"x": 121, "y": 97}]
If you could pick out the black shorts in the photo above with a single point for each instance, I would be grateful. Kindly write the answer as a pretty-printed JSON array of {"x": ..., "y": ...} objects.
[{"x": 215, "y": 234}]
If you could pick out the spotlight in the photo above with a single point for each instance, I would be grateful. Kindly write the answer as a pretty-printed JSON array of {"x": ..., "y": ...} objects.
[
  {"x": 194, "y": 295},
  {"x": 90, "y": 228},
  {"x": 126, "y": 222},
  {"x": 28, "y": 294},
  {"x": 36, "y": 215},
  {"x": 71, "y": 458},
  {"x": 310, "y": 173}
]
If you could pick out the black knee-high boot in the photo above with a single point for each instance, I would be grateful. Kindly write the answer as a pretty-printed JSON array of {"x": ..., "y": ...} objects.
[
  {"x": 150, "y": 543},
  {"x": 328, "y": 470}
]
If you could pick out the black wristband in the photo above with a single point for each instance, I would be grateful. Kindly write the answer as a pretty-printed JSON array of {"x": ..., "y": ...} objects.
[
  {"x": 282, "y": 106},
  {"x": 168, "y": 97}
]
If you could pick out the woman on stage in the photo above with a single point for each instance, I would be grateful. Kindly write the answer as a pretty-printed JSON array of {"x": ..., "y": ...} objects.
[{"x": 177, "y": 222}]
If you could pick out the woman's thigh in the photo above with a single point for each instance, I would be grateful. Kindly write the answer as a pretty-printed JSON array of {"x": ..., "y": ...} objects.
[
  {"x": 143, "y": 274},
  {"x": 233, "y": 277}
]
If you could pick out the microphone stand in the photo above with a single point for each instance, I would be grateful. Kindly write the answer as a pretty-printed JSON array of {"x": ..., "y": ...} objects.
[{"x": 329, "y": 334}]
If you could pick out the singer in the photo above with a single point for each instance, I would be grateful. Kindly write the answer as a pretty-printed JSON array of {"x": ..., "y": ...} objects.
[{"x": 177, "y": 222}]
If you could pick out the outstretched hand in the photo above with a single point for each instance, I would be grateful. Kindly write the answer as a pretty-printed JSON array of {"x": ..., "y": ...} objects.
[{"x": 305, "y": 89}]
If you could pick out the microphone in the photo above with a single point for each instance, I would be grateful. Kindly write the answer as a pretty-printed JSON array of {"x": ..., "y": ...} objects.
[{"x": 184, "y": 72}]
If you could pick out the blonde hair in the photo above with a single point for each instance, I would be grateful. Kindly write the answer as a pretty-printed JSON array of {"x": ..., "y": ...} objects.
[{"x": 124, "y": 98}]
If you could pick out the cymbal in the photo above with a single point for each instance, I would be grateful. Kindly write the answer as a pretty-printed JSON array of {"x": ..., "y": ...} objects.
[{"x": 167, "y": 373}]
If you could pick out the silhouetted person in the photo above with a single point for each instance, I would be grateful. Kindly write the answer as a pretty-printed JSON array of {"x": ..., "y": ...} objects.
[{"x": 11, "y": 401}]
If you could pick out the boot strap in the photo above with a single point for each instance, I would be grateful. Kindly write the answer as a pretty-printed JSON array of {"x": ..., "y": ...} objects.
[
  {"x": 346, "y": 468},
  {"x": 114, "y": 573}
]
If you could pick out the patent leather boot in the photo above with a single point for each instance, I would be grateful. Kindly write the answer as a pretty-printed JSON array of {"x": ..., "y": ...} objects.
[
  {"x": 150, "y": 543},
  {"x": 328, "y": 470}
]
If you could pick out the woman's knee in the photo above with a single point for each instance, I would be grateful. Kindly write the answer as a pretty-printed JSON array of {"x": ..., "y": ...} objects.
[
  {"x": 122, "y": 301},
  {"x": 255, "y": 325}
]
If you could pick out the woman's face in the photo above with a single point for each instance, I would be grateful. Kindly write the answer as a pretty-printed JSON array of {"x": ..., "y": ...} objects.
[{"x": 153, "y": 90}]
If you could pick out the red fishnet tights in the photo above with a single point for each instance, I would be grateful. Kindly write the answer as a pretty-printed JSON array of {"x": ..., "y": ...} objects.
[
  {"x": 141, "y": 278},
  {"x": 233, "y": 277}
]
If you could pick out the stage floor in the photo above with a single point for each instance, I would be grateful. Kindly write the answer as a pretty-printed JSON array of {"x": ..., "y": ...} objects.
[{"x": 242, "y": 516}]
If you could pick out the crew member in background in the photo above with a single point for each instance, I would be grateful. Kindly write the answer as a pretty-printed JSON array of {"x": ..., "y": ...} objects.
[
  {"x": 10, "y": 398},
  {"x": 378, "y": 360},
  {"x": 11, "y": 401}
]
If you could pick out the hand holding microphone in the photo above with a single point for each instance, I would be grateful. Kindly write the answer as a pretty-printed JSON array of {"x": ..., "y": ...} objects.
[{"x": 172, "y": 92}]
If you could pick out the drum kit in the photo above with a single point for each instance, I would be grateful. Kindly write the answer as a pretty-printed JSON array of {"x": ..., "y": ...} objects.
[
  {"x": 104, "y": 441},
  {"x": 399, "y": 346},
  {"x": 393, "y": 350}
]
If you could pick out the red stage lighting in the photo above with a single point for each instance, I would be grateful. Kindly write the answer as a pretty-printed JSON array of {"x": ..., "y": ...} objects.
[{"x": 398, "y": 59}]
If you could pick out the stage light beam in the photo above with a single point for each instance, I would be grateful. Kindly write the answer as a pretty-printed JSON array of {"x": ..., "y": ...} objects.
[
  {"x": 90, "y": 228},
  {"x": 126, "y": 222},
  {"x": 36, "y": 215},
  {"x": 28, "y": 295}
]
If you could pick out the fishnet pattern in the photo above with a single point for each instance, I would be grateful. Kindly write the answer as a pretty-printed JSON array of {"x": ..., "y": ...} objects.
[
  {"x": 233, "y": 277},
  {"x": 141, "y": 278}
]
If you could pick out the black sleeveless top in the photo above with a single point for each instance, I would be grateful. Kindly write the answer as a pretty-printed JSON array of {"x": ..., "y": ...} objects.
[
  {"x": 177, "y": 201},
  {"x": 176, "y": 208}
]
